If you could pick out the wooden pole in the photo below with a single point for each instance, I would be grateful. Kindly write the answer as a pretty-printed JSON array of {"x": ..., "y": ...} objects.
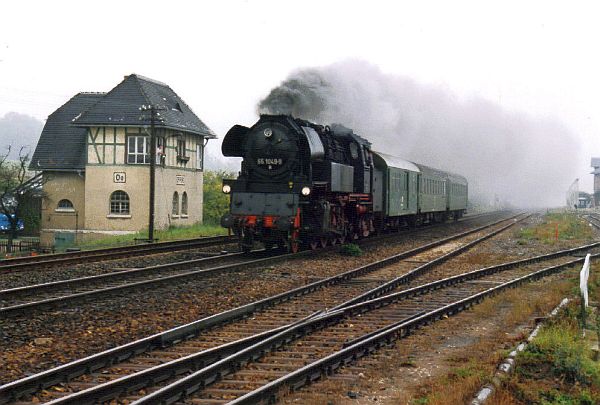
[{"x": 152, "y": 175}]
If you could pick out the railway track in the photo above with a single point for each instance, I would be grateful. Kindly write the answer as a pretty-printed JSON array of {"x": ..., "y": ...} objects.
[
  {"x": 90, "y": 256},
  {"x": 96, "y": 255},
  {"x": 594, "y": 220},
  {"x": 210, "y": 331},
  {"x": 255, "y": 367},
  {"x": 317, "y": 347},
  {"x": 22, "y": 300}
]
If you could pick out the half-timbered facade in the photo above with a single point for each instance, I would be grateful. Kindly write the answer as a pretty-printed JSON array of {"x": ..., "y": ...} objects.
[{"x": 94, "y": 153}]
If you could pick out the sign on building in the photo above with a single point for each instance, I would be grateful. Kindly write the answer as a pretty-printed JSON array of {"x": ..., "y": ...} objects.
[{"x": 119, "y": 177}]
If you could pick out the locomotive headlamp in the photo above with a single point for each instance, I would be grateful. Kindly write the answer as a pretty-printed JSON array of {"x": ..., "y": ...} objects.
[
  {"x": 226, "y": 189},
  {"x": 268, "y": 132},
  {"x": 305, "y": 190}
]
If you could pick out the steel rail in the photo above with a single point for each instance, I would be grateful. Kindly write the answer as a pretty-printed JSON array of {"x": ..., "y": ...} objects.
[
  {"x": 28, "y": 385},
  {"x": 405, "y": 278},
  {"x": 594, "y": 221},
  {"x": 16, "y": 264},
  {"x": 328, "y": 365},
  {"x": 115, "y": 275},
  {"x": 103, "y": 292},
  {"x": 19, "y": 263},
  {"x": 106, "y": 392},
  {"x": 201, "y": 378}
]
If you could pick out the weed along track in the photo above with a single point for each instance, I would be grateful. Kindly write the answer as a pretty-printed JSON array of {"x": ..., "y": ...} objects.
[{"x": 194, "y": 345}]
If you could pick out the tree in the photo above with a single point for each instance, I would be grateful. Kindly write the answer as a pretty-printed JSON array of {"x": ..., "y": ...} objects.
[
  {"x": 17, "y": 187},
  {"x": 215, "y": 202}
]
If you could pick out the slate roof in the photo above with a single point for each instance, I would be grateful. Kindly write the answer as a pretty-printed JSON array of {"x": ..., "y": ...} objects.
[
  {"x": 61, "y": 145},
  {"x": 121, "y": 107}
]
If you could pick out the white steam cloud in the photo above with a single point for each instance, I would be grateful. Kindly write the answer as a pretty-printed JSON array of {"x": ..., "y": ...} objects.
[{"x": 509, "y": 156}]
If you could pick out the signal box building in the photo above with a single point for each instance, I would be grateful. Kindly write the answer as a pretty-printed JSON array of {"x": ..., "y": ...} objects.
[{"x": 94, "y": 154}]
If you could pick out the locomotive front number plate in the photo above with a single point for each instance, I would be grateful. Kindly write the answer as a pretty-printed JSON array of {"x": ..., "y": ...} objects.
[{"x": 269, "y": 161}]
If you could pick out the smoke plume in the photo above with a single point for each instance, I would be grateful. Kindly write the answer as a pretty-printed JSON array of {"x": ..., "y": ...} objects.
[{"x": 510, "y": 157}]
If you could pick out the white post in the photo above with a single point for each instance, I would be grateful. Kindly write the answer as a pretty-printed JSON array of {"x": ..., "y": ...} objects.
[{"x": 584, "y": 274}]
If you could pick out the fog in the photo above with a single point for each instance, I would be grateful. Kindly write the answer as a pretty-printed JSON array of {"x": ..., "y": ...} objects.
[{"x": 510, "y": 157}]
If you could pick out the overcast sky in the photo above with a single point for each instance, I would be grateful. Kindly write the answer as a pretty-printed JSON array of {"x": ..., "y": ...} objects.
[{"x": 222, "y": 57}]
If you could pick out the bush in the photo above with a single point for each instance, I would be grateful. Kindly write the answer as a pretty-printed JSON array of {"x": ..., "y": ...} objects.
[{"x": 351, "y": 249}]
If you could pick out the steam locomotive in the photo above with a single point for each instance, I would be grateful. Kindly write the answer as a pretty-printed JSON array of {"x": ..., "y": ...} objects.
[{"x": 304, "y": 184}]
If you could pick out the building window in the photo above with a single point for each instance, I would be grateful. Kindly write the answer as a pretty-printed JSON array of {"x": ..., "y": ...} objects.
[
  {"x": 184, "y": 204},
  {"x": 175, "y": 210},
  {"x": 199, "y": 155},
  {"x": 181, "y": 148},
  {"x": 160, "y": 150},
  {"x": 119, "y": 203},
  {"x": 138, "y": 149},
  {"x": 181, "y": 152},
  {"x": 65, "y": 205}
]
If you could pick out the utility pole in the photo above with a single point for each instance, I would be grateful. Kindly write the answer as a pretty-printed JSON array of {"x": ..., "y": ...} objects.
[
  {"x": 152, "y": 174},
  {"x": 153, "y": 117}
]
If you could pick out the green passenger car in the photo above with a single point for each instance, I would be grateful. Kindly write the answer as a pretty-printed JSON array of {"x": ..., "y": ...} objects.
[
  {"x": 416, "y": 192},
  {"x": 432, "y": 190},
  {"x": 400, "y": 184},
  {"x": 458, "y": 189}
]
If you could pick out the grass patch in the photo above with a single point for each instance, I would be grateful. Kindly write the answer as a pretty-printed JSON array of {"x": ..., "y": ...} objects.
[
  {"x": 557, "y": 368},
  {"x": 172, "y": 233},
  {"x": 570, "y": 227},
  {"x": 463, "y": 380},
  {"x": 566, "y": 354}
]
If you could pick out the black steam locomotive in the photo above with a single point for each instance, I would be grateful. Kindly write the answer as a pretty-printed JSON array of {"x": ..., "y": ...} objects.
[{"x": 306, "y": 184}]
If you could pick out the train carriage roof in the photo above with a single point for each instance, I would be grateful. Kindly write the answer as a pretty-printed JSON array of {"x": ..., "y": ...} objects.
[
  {"x": 383, "y": 159},
  {"x": 453, "y": 177}
]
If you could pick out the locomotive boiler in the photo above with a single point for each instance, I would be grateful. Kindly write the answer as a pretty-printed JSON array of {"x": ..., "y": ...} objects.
[{"x": 302, "y": 183}]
